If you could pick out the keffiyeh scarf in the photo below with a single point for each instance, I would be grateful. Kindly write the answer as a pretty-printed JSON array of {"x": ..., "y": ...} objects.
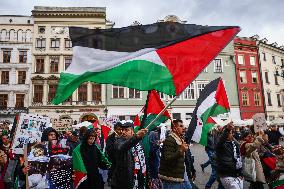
[{"x": 140, "y": 164}]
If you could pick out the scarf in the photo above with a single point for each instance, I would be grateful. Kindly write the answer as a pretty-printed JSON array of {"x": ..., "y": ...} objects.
[
  {"x": 139, "y": 164},
  {"x": 237, "y": 156}
]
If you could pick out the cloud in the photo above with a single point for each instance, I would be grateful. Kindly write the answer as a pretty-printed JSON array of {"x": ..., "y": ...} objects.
[{"x": 261, "y": 17}]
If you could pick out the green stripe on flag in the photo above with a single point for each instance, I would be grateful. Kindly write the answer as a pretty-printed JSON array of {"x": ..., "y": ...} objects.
[
  {"x": 210, "y": 112},
  {"x": 137, "y": 74},
  {"x": 277, "y": 183}
]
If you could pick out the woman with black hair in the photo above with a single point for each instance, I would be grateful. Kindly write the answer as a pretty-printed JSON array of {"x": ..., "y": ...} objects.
[{"x": 87, "y": 159}]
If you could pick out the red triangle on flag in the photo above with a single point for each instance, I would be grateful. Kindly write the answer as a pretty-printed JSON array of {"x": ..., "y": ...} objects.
[
  {"x": 95, "y": 124},
  {"x": 137, "y": 121},
  {"x": 105, "y": 131},
  {"x": 155, "y": 104}
]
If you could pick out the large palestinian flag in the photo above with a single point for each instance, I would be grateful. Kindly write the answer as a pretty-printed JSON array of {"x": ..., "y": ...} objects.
[
  {"x": 164, "y": 56},
  {"x": 212, "y": 101},
  {"x": 79, "y": 168},
  {"x": 152, "y": 108}
]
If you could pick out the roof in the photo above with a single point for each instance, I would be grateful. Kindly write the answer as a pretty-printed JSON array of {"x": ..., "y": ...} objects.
[{"x": 70, "y": 9}]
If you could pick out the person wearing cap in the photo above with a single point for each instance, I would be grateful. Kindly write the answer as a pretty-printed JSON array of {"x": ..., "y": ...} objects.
[
  {"x": 72, "y": 141},
  {"x": 130, "y": 166},
  {"x": 109, "y": 150}
]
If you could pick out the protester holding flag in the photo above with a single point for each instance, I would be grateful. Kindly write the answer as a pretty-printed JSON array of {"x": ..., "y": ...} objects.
[
  {"x": 229, "y": 163},
  {"x": 251, "y": 148},
  {"x": 130, "y": 167},
  {"x": 172, "y": 168},
  {"x": 72, "y": 141},
  {"x": 87, "y": 159}
]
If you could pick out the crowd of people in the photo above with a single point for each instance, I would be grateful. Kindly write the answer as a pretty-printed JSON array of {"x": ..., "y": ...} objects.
[{"x": 169, "y": 164}]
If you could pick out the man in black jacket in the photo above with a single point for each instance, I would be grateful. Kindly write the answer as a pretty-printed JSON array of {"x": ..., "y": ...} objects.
[
  {"x": 130, "y": 167},
  {"x": 229, "y": 164}
]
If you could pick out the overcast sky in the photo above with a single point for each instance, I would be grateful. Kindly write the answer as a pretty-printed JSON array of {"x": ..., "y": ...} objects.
[{"x": 262, "y": 17}]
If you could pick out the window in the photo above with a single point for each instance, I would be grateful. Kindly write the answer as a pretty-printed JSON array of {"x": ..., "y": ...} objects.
[
  {"x": 40, "y": 43},
  {"x": 252, "y": 60},
  {"x": 118, "y": 92},
  {"x": 21, "y": 77},
  {"x": 83, "y": 93},
  {"x": 189, "y": 92},
  {"x": 3, "y": 100},
  {"x": 276, "y": 79},
  {"x": 54, "y": 61},
  {"x": 20, "y": 100},
  {"x": 6, "y": 56},
  {"x": 54, "y": 43},
  {"x": 257, "y": 99},
  {"x": 264, "y": 56},
  {"x": 254, "y": 77},
  {"x": 200, "y": 87},
  {"x": 273, "y": 60},
  {"x": 96, "y": 95},
  {"x": 243, "y": 77},
  {"x": 282, "y": 63},
  {"x": 51, "y": 92},
  {"x": 22, "y": 56},
  {"x": 278, "y": 100},
  {"x": 121, "y": 118},
  {"x": 241, "y": 59},
  {"x": 134, "y": 93},
  {"x": 41, "y": 29},
  {"x": 39, "y": 65},
  {"x": 67, "y": 62},
  {"x": 266, "y": 77},
  {"x": 176, "y": 116},
  {"x": 5, "y": 77},
  {"x": 188, "y": 116},
  {"x": 245, "y": 99},
  {"x": 68, "y": 43},
  {"x": 38, "y": 93},
  {"x": 269, "y": 99},
  {"x": 218, "y": 67}
]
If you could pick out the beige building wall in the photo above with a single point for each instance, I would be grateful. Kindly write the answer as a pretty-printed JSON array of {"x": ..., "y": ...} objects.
[
  {"x": 272, "y": 68},
  {"x": 52, "y": 23}
]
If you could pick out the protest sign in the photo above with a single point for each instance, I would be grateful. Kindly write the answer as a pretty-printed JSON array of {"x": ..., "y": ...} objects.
[
  {"x": 259, "y": 122},
  {"x": 64, "y": 124},
  {"x": 111, "y": 121},
  {"x": 29, "y": 130}
]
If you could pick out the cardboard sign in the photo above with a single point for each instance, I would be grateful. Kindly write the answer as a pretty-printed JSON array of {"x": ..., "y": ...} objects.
[
  {"x": 62, "y": 124},
  {"x": 29, "y": 130},
  {"x": 259, "y": 122}
]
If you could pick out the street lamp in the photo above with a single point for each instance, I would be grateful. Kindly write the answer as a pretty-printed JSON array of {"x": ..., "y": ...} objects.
[{"x": 105, "y": 111}]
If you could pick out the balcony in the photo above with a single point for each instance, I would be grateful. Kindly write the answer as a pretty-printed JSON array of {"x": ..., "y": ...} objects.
[{"x": 70, "y": 103}]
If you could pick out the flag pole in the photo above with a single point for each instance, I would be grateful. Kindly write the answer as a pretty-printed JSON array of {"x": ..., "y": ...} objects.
[{"x": 159, "y": 115}]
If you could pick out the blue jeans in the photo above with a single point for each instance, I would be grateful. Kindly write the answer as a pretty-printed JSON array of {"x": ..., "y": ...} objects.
[
  {"x": 173, "y": 185},
  {"x": 210, "y": 154},
  {"x": 187, "y": 185},
  {"x": 212, "y": 178}
]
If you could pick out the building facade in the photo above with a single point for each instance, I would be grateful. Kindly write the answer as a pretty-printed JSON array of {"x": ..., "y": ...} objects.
[
  {"x": 15, "y": 65},
  {"x": 52, "y": 54},
  {"x": 126, "y": 103},
  {"x": 271, "y": 58},
  {"x": 250, "y": 89}
]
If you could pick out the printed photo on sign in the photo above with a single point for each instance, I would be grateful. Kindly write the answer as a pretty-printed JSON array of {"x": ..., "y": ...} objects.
[{"x": 29, "y": 130}]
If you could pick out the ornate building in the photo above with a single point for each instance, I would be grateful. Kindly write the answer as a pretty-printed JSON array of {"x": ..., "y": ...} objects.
[
  {"x": 248, "y": 77},
  {"x": 15, "y": 64},
  {"x": 52, "y": 54},
  {"x": 271, "y": 58}
]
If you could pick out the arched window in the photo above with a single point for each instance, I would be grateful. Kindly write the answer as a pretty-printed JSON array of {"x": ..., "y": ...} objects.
[
  {"x": 12, "y": 36},
  {"x": 3, "y": 35},
  {"x": 28, "y": 36},
  {"x": 20, "y": 35}
]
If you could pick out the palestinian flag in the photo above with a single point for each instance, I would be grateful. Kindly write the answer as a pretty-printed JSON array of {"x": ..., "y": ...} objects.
[
  {"x": 152, "y": 108},
  {"x": 279, "y": 184},
  {"x": 137, "y": 123},
  {"x": 212, "y": 101},
  {"x": 79, "y": 168},
  {"x": 163, "y": 56}
]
